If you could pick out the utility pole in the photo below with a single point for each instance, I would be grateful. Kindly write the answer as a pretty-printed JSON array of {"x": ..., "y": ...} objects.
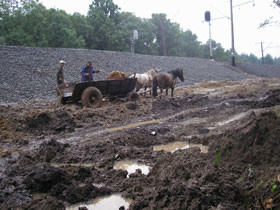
[
  {"x": 132, "y": 41},
  {"x": 162, "y": 37},
  {"x": 210, "y": 42},
  {"x": 232, "y": 37},
  {"x": 262, "y": 53},
  {"x": 207, "y": 17}
]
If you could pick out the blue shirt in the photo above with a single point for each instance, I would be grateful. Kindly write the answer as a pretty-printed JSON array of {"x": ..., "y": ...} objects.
[{"x": 86, "y": 69}]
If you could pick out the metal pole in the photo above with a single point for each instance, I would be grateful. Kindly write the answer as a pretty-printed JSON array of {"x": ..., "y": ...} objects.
[
  {"x": 162, "y": 37},
  {"x": 132, "y": 45},
  {"x": 232, "y": 37},
  {"x": 262, "y": 53},
  {"x": 210, "y": 42}
]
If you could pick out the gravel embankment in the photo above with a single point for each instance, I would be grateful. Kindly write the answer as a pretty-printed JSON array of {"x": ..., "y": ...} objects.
[
  {"x": 28, "y": 73},
  {"x": 260, "y": 70}
]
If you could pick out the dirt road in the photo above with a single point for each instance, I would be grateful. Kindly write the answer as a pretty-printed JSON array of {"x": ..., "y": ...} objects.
[{"x": 53, "y": 156}]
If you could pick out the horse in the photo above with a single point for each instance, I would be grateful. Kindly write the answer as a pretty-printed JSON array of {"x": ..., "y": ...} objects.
[
  {"x": 145, "y": 80},
  {"x": 167, "y": 80}
]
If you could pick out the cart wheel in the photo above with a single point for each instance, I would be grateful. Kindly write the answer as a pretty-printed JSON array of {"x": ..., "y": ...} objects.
[
  {"x": 91, "y": 97},
  {"x": 133, "y": 96}
]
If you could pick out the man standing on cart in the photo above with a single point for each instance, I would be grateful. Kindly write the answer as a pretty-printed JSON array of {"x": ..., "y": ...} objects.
[{"x": 87, "y": 72}]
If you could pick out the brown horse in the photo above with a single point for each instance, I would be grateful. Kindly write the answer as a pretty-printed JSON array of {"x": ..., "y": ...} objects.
[{"x": 167, "y": 80}]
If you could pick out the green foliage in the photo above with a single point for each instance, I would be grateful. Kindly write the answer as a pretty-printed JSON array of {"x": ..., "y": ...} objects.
[
  {"x": 29, "y": 23},
  {"x": 60, "y": 31},
  {"x": 146, "y": 43},
  {"x": 268, "y": 59},
  {"x": 2, "y": 40},
  {"x": 103, "y": 17},
  {"x": 241, "y": 178},
  {"x": 274, "y": 187},
  {"x": 218, "y": 157}
]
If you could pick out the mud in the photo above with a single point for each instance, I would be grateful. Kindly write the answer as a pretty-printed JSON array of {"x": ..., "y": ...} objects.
[{"x": 55, "y": 156}]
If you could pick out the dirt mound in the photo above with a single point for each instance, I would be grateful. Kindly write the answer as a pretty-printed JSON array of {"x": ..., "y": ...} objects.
[
  {"x": 42, "y": 178},
  {"x": 272, "y": 99},
  {"x": 46, "y": 122},
  {"x": 256, "y": 143},
  {"x": 225, "y": 178}
]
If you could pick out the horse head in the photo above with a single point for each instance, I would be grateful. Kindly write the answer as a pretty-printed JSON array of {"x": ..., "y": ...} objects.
[
  {"x": 153, "y": 72},
  {"x": 180, "y": 74},
  {"x": 157, "y": 70}
]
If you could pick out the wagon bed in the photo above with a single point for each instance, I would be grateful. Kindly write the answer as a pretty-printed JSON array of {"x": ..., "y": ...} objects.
[{"x": 75, "y": 92}]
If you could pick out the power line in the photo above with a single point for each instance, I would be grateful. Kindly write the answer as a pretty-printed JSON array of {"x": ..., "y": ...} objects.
[
  {"x": 245, "y": 3},
  {"x": 274, "y": 47},
  {"x": 221, "y": 13}
]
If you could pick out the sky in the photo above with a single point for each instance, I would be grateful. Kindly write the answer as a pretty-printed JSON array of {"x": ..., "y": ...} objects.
[{"x": 189, "y": 14}]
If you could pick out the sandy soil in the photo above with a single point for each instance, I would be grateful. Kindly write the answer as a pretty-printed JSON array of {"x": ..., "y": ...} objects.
[{"x": 53, "y": 156}]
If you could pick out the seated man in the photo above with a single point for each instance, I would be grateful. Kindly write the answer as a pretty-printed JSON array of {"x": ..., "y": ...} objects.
[{"x": 87, "y": 72}]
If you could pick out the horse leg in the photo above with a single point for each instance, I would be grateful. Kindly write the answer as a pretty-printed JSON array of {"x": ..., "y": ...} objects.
[
  {"x": 172, "y": 90},
  {"x": 150, "y": 88},
  {"x": 161, "y": 91},
  {"x": 137, "y": 87},
  {"x": 155, "y": 84},
  {"x": 145, "y": 88}
]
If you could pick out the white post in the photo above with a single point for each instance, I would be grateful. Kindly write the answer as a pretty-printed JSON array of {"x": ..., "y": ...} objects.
[{"x": 210, "y": 42}]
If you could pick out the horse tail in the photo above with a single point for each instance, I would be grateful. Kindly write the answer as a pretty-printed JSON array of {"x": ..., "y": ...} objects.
[{"x": 155, "y": 84}]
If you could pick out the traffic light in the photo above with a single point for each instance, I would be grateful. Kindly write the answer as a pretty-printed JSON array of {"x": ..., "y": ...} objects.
[{"x": 207, "y": 16}]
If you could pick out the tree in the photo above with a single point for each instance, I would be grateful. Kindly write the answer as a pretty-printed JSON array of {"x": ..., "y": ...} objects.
[
  {"x": 188, "y": 44},
  {"x": 145, "y": 43},
  {"x": 16, "y": 21},
  {"x": 268, "y": 59},
  {"x": 103, "y": 17},
  {"x": 82, "y": 28},
  {"x": 167, "y": 34},
  {"x": 29, "y": 23},
  {"x": 60, "y": 31}
]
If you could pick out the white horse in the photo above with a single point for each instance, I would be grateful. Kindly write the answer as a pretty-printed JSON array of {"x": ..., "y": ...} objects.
[{"x": 145, "y": 80}]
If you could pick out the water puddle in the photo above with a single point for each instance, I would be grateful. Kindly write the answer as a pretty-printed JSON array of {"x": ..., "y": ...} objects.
[
  {"x": 234, "y": 118},
  {"x": 86, "y": 165},
  {"x": 36, "y": 196},
  {"x": 131, "y": 167},
  {"x": 133, "y": 125},
  {"x": 194, "y": 121},
  {"x": 174, "y": 146},
  {"x": 98, "y": 185},
  {"x": 112, "y": 202}
]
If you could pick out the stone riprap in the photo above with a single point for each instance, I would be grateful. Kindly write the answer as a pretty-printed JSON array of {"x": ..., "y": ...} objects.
[{"x": 30, "y": 73}]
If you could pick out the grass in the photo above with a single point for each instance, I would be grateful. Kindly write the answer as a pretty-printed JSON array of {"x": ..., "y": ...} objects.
[
  {"x": 218, "y": 158},
  {"x": 277, "y": 112}
]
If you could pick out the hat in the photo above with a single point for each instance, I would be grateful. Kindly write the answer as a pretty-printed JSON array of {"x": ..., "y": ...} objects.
[{"x": 62, "y": 61}]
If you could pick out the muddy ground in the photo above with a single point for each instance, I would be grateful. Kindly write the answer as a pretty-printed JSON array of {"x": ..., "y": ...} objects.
[{"x": 53, "y": 156}]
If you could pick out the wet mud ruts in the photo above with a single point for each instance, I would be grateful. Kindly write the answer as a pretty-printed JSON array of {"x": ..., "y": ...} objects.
[{"x": 42, "y": 167}]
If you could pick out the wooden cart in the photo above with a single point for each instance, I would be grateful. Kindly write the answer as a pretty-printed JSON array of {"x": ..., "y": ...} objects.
[{"x": 91, "y": 93}]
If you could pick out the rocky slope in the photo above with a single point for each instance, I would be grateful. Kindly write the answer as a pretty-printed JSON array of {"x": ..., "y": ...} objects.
[{"x": 28, "y": 73}]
